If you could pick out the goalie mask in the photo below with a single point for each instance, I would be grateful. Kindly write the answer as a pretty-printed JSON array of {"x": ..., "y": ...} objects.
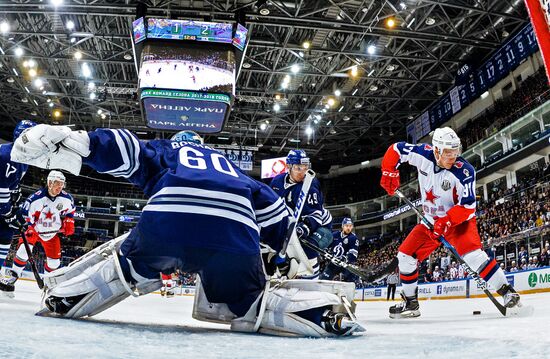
[{"x": 188, "y": 136}]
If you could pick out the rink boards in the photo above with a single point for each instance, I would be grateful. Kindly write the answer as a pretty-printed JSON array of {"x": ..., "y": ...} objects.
[
  {"x": 528, "y": 281},
  {"x": 525, "y": 282}
]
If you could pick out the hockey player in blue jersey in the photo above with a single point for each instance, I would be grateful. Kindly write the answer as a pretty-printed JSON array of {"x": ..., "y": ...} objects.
[
  {"x": 11, "y": 174},
  {"x": 315, "y": 222},
  {"x": 344, "y": 247},
  {"x": 203, "y": 216}
]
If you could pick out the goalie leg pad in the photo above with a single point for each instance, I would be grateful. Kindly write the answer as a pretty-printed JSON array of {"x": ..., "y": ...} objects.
[
  {"x": 279, "y": 307},
  {"x": 85, "y": 290}
]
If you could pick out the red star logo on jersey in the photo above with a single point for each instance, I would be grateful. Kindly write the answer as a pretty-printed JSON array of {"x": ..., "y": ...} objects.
[
  {"x": 430, "y": 196},
  {"x": 49, "y": 215}
]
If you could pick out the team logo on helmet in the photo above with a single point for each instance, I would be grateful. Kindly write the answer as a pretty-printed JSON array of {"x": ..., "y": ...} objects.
[{"x": 446, "y": 185}]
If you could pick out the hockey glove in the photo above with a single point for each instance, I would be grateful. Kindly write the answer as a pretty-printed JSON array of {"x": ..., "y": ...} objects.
[
  {"x": 15, "y": 220},
  {"x": 68, "y": 226},
  {"x": 390, "y": 181},
  {"x": 302, "y": 230},
  {"x": 441, "y": 227},
  {"x": 288, "y": 267}
]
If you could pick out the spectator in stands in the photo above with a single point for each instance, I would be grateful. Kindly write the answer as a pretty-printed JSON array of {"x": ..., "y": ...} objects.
[
  {"x": 513, "y": 267},
  {"x": 523, "y": 265},
  {"x": 523, "y": 256},
  {"x": 545, "y": 255},
  {"x": 437, "y": 275}
]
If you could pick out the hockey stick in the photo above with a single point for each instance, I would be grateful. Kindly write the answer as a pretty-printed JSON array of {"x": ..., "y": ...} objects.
[
  {"x": 39, "y": 280},
  {"x": 338, "y": 262},
  {"x": 302, "y": 197},
  {"x": 481, "y": 283}
]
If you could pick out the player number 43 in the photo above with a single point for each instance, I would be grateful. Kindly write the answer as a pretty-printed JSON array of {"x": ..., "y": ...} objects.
[{"x": 192, "y": 158}]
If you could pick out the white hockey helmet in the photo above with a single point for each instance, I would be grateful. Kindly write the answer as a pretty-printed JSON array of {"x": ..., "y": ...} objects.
[
  {"x": 56, "y": 176},
  {"x": 446, "y": 138}
]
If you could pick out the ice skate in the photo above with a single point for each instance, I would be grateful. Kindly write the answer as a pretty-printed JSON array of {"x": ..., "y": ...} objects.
[
  {"x": 408, "y": 308},
  {"x": 510, "y": 296},
  {"x": 340, "y": 323},
  {"x": 7, "y": 284}
]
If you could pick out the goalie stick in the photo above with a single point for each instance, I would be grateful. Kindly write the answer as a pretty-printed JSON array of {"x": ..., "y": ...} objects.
[{"x": 482, "y": 284}]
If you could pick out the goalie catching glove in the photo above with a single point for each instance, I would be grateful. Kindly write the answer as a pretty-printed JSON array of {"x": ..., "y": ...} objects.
[{"x": 52, "y": 147}]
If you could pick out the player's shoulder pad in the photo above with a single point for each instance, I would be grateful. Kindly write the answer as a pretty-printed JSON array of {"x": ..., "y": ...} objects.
[
  {"x": 336, "y": 233},
  {"x": 278, "y": 181},
  {"x": 65, "y": 195},
  {"x": 463, "y": 170},
  {"x": 38, "y": 194},
  {"x": 315, "y": 185}
]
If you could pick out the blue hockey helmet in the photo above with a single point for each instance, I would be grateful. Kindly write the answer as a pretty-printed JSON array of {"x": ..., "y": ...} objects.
[
  {"x": 22, "y": 126},
  {"x": 297, "y": 157},
  {"x": 346, "y": 220},
  {"x": 188, "y": 136}
]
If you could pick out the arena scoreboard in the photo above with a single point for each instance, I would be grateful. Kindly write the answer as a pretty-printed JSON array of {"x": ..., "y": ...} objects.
[{"x": 187, "y": 71}]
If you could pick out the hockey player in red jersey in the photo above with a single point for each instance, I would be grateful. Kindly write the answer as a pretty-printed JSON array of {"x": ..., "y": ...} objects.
[
  {"x": 447, "y": 186},
  {"x": 48, "y": 211}
]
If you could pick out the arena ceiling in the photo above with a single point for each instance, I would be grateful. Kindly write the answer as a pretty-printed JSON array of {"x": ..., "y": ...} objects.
[{"x": 397, "y": 72}]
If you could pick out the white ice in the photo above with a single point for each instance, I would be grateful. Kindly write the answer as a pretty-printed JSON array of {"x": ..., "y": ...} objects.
[{"x": 153, "y": 326}]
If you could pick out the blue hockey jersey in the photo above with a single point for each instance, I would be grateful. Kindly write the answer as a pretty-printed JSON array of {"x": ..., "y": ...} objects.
[
  {"x": 11, "y": 174},
  {"x": 197, "y": 197},
  {"x": 345, "y": 246},
  {"x": 313, "y": 213}
]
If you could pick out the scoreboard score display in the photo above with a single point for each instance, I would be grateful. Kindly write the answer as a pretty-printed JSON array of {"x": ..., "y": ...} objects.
[{"x": 189, "y": 30}]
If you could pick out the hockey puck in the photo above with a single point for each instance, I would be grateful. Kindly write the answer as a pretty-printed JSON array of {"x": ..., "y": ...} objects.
[{"x": 476, "y": 312}]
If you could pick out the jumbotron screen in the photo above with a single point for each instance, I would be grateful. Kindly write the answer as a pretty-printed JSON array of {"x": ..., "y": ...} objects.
[
  {"x": 186, "y": 87},
  {"x": 273, "y": 167},
  {"x": 173, "y": 66}
]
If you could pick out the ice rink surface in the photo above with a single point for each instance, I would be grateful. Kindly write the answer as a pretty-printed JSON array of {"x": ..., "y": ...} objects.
[{"x": 153, "y": 326}]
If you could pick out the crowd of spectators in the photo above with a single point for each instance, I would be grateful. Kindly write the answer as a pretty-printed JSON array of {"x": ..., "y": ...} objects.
[
  {"x": 363, "y": 185},
  {"x": 532, "y": 92}
]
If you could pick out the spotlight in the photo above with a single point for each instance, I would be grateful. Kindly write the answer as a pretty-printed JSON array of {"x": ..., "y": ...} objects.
[
  {"x": 337, "y": 92},
  {"x": 4, "y": 27},
  {"x": 263, "y": 126},
  {"x": 331, "y": 102},
  {"x": 32, "y": 72},
  {"x": 390, "y": 23},
  {"x": 77, "y": 55},
  {"x": 57, "y": 113},
  {"x": 371, "y": 49},
  {"x": 18, "y": 51},
  {"x": 92, "y": 96},
  {"x": 276, "y": 107},
  {"x": 69, "y": 25},
  {"x": 295, "y": 68},
  {"x": 56, "y": 3},
  {"x": 306, "y": 45}
]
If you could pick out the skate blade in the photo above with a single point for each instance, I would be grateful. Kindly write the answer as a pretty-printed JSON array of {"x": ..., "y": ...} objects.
[
  {"x": 410, "y": 314},
  {"x": 354, "y": 328},
  {"x": 45, "y": 312}
]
